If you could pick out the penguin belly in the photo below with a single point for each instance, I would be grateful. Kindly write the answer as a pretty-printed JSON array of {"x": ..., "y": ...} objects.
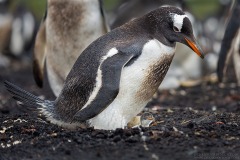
[{"x": 138, "y": 83}]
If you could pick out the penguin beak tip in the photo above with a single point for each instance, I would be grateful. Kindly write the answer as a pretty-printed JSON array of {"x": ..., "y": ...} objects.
[{"x": 195, "y": 47}]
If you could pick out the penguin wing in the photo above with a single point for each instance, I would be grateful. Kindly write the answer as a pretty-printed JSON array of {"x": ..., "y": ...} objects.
[
  {"x": 39, "y": 55},
  {"x": 109, "y": 73}
]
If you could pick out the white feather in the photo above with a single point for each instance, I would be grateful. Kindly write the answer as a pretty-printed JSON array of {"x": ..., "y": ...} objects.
[{"x": 178, "y": 21}]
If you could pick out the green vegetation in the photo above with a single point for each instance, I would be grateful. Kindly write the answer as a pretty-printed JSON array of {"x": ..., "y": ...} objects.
[
  {"x": 203, "y": 8},
  {"x": 36, "y": 6},
  {"x": 110, "y": 3},
  {"x": 200, "y": 8}
]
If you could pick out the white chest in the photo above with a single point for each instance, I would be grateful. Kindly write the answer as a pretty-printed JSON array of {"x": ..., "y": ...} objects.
[{"x": 137, "y": 85}]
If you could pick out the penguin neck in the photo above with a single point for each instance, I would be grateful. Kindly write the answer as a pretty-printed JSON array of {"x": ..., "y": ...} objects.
[{"x": 160, "y": 37}]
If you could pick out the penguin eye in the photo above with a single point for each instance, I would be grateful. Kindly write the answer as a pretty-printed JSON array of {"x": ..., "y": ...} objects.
[{"x": 175, "y": 29}]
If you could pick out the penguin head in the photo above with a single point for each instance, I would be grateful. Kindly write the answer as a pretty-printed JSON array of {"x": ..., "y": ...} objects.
[{"x": 174, "y": 25}]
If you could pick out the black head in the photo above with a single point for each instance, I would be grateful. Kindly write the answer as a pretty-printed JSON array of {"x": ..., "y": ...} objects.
[{"x": 171, "y": 25}]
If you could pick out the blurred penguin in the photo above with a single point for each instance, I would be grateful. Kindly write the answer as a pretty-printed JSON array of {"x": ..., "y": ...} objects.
[
  {"x": 23, "y": 31},
  {"x": 212, "y": 32},
  {"x": 67, "y": 29},
  {"x": 230, "y": 45},
  {"x": 17, "y": 29},
  {"x": 5, "y": 31},
  {"x": 130, "y": 9}
]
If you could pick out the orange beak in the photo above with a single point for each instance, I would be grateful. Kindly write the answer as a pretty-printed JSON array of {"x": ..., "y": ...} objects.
[{"x": 195, "y": 47}]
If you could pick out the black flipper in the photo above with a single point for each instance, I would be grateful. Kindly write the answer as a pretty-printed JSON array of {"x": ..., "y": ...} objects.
[{"x": 111, "y": 74}]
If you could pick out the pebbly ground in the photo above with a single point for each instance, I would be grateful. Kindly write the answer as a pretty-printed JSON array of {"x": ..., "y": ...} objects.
[{"x": 200, "y": 122}]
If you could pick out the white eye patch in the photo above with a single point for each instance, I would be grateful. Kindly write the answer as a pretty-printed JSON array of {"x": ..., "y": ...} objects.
[{"x": 178, "y": 21}]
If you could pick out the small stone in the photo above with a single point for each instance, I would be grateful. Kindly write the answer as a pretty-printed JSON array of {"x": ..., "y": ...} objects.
[
  {"x": 119, "y": 131},
  {"x": 117, "y": 138},
  {"x": 101, "y": 135},
  {"x": 135, "y": 131},
  {"x": 68, "y": 152},
  {"x": 175, "y": 129},
  {"x": 169, "y": 110},
  {"x": 190, "y": 125},
  {"x": 214, "y": 108},
  {"x": 132, "y": 139},
  {"x": 128, "y": 133}
]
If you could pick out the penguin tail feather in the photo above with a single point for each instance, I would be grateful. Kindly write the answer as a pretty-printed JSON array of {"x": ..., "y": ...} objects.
[{"x": 28, "y": 99}]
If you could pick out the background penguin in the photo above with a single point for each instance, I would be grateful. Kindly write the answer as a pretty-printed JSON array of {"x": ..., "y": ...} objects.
[
  {"x": 5, "y": 31},
  {"x": 23, "y": 31},
  {"x": 230, "y": 45},
  {"x": 17, "y": 29},
  {"x": 115, "y": 76},
  {"x": 21, "y": 28},
  {"x": 5, "y": 25},
  {"x": 67, "y": 29},
  {"x": 127, "y": 10}
]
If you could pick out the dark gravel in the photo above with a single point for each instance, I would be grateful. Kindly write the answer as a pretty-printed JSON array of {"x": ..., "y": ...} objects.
[{"x": 201, "y": 122}]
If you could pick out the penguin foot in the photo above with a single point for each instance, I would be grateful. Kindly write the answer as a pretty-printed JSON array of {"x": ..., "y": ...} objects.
[
  {"x": 135, "y": 121},
  {"x": 145, "y": 120}
]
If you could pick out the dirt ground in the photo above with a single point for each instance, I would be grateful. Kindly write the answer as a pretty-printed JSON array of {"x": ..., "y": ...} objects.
[{"x": 201, "y": 122}]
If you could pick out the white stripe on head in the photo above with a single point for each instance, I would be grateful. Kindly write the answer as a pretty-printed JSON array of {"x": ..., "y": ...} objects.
[{"x": 178, "y": 20}]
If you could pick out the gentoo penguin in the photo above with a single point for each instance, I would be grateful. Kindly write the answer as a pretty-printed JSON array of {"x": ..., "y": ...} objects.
[
  {"x": 68, "y": 27},
  {"x": 230, "y": 45},
  {"x": 117, "y": 75}
]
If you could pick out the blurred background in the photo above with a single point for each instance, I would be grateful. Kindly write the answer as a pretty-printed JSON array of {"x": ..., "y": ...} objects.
[
  {"x": 200, "y": 8},
  {"x": 209, "y": 18}
]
